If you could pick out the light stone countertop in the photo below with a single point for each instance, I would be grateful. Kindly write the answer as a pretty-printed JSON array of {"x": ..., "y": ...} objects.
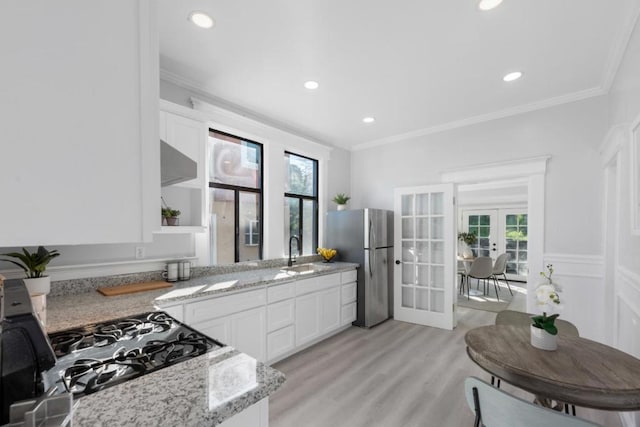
[{"x": 205, "y": 390}]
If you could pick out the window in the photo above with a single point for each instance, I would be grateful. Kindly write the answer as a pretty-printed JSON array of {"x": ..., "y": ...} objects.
[
  {"x": 301, "y": 202},
  {"x": 252, "y": 233},
  {"x": 235, "y": 182}
]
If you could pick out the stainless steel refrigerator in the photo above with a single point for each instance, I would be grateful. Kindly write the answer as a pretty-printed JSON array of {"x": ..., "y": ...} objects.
[{"x": 365, "y": 236}]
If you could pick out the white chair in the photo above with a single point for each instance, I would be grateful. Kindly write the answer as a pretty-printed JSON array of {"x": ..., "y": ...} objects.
[
  {"x": 500, "y": 269},
  {"x": 481, "y": 269},
  {"x": 496, "y": 408}
]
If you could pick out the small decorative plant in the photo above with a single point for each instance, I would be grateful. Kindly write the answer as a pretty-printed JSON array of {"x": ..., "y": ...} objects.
[
  {"x": 547, "y": 297},
  {"x": 170, "y": 213},
  {"x": 341, "y": 199},
  {"x": 34, "y": 264},
  {"x": 468, "y": 238}
]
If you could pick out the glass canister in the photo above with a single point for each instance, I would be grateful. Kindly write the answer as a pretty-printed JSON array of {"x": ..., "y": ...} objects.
[{"x": 184, "y": 270}]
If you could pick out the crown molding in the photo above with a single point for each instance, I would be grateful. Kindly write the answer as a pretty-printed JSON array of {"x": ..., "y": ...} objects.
[
  {"x": 223, "y": 104},
  {"x": 497, "y": 171},
  {"x": 551, "y": 102}
]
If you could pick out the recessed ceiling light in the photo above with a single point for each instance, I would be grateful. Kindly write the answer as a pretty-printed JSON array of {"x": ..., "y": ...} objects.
[
  {"x": 201, "y": 19},
  {"x": 512, "y": 76},
  {"x": 311, "y": 85},
  {"x": 488, "y": 4},
  {"x": 368, "y": 120}
]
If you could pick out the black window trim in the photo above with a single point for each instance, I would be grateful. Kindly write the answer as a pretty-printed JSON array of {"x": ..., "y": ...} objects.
[
  {"x": 302, "y": 197},
  {"x": 237, "y": 189}
]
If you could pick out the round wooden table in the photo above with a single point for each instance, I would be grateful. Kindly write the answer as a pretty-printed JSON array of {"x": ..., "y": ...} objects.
[
  {"x": 580, "y": 372},
  {"x": 520, "y": 319}
]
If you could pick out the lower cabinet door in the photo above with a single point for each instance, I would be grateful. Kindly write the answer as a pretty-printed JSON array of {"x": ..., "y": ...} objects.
[
  {"x": 280, "y": 342},
  {"x": 330, "y": 310},
  {"x": 280, "y": 314},
  {"x": 249, "y": 332},
  {"x": 219, "y": 329},
  {"x": 307, "y": 318},
  {"x": 348, "y": 314}
]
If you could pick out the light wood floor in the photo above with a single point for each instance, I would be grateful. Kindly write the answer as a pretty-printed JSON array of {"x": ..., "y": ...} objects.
[{"x": 395, "y": 374}]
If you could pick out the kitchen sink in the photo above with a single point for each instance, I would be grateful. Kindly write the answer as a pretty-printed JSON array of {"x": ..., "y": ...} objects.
[{"x": 304, "y": 268}]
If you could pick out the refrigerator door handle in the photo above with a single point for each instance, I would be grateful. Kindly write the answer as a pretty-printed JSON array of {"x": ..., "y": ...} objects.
[{"x": 371, "y": 247}]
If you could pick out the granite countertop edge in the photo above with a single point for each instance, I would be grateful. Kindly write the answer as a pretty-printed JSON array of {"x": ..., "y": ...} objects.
[
  {"x": 107, "y": 406},
  {"x": 246, "y": 280}
]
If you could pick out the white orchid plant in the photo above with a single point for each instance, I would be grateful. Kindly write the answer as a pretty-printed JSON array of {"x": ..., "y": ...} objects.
[{"x": 548, "y": 299}]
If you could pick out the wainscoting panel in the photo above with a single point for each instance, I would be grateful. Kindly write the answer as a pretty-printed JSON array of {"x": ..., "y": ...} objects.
[
  {"x": 627, "y": 324},
  {"x": 581, "y": 278}
]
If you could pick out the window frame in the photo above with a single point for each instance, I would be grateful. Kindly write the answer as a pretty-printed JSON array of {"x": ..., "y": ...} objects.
[
  {"x": 301, "y": 198},
  {"x": 237, "y": 189}
]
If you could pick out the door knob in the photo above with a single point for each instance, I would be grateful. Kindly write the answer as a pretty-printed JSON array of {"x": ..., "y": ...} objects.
[{"x": 398, "y": 262}]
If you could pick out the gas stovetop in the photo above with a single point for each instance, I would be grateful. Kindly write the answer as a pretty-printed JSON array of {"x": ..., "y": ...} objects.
[{"x": 101, "y": 355}]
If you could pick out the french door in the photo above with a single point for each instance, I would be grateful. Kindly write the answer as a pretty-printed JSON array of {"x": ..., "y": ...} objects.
[
  {"x": 424, "y": 247},
  {"x": 500, "y": 231}
]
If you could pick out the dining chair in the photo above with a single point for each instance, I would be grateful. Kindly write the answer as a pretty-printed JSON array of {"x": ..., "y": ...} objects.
[
  {"x": 500, "y": 269},
  {"x": 496, "y": 408},
  {"x": 481, "y": 269}
]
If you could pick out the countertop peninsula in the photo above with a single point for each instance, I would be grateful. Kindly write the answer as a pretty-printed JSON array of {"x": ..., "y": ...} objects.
[{"x": 205, "y": 390}]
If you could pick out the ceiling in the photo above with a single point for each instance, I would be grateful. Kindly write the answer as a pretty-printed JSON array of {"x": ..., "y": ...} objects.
[{"x": 417, "y": 66}]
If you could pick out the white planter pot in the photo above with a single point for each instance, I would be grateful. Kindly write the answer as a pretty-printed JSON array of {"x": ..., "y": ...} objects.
[
  {"x": 543, "y": 340},
  {"x": 38, "y": 286},
  {"x": 464, "y": 250},
  {"x": 342, "y": 207}
]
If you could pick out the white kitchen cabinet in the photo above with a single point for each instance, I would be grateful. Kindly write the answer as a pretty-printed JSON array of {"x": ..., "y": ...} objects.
[
  {"x": 218, "y": 329},
  {"x": 330, "y": 310},
  {"x": 348, "y": 297},
  {"x": 256, "y": 415},
  {"x": 307, "y": 318},
  {"x": 245, "y": 331},
  {"x": 79, "y": 122},
  {"x": 280, "y": 342},
  {"x": 274, "y": 322},
  {"x": 249, "y": 332},
  {"x": 280, "y": 314},
  {"x": 189, "y": 136}
]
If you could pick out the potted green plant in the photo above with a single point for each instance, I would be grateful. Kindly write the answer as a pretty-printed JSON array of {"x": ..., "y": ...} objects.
[
  {"x": 341, "y": 200},
  {"x": 170, "y": 215},
  {"x": 34, "y": 265}
]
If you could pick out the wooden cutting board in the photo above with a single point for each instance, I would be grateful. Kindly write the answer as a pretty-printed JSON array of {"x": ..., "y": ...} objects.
[{"x": 133, "y": 288}]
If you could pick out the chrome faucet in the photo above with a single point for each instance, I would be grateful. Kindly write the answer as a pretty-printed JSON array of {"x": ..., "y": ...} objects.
[{"x": 291, "y": 261}]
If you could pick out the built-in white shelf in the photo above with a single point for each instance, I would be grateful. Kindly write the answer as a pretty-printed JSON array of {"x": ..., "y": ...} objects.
[{"x": 180, "y": 229}]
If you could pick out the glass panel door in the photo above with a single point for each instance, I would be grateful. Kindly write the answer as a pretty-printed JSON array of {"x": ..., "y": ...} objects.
[
  {"x": 425, "y": 245},
  {"x": 515, "y": 242},
  {"x": 484, "y": 224}
]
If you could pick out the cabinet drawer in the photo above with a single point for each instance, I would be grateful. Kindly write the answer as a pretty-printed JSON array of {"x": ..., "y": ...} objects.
[
  {"x": 280, "y": 292},
  {"x": 280, "y": 314},
  {"x": 330, "y": 279},
  {"x": 280, "y": 342},
  {"x": 348, "y": 314},
  {"x": 221, "y": 306},
  {"x": 349, "y": 293},
  {"x": 315, "y": 284},
  {"x": 349, "y": 276}
]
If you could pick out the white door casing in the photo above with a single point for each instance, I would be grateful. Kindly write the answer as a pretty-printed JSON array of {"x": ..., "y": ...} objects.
[{"x": 425, "y": 244}]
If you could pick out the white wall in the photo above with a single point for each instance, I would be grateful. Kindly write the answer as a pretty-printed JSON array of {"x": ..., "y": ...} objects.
[
  {"x": 571, "y": 134},
  {"x": 91, "y": 260},
  {"x": 334, "y": 163},
  {"x": 624, "y": 264}
]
